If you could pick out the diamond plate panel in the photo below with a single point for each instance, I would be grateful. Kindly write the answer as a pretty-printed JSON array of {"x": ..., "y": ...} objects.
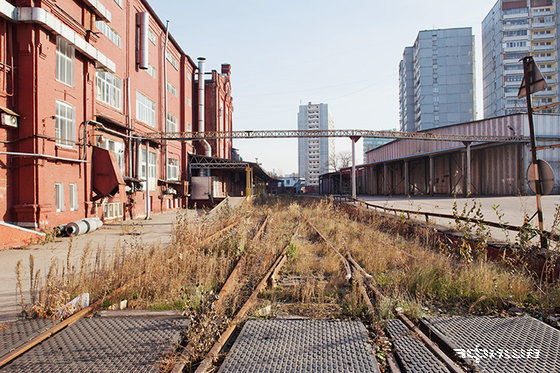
[
  {"x": 513, "y": 344},
  {"x": 412, "y": 353},
  {"x": 301, "y": 346},
  {"x": 20, "y": 331},
  {"x": 103, "y": 345}
]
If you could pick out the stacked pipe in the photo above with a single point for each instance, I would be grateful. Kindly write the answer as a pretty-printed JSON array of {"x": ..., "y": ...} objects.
[{"x": 83, "y": 226}]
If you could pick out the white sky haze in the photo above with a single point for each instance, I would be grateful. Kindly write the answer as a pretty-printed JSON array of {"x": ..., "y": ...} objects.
[{"x": 287, "y": 53}]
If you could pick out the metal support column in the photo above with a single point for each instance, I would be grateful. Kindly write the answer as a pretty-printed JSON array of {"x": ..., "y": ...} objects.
[
  {"x": 469, "y": 172},
  {"x": 386, "y": 179},
  {"x": 354, "y": 139},
  {"x": 249, "y": 182},
  {"x": 406, "y": 180},
  {"x": 431, "y": 180}
]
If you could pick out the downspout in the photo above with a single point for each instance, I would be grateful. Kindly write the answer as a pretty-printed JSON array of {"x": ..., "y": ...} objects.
[
  {"x": 129, "y": 120},
  {"x": 148, "y": 205},
  {"x": 165, "y": 99},
  {"x": 36, "y": 114},
  {"x": 205, "y": 144}
]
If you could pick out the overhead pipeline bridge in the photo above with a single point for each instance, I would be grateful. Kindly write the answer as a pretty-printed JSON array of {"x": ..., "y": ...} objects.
[{"x": 355, "y": 134}]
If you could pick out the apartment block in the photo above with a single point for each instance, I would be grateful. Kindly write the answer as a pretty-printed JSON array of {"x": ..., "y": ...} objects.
[
  {"x": 437, "y": 75},
  {"x": 511, "y": 31},
  {"x": 313, "y": 153}
]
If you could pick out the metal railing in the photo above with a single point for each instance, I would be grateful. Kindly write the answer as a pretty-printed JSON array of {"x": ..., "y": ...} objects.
[{"x": 427, "y": 214}]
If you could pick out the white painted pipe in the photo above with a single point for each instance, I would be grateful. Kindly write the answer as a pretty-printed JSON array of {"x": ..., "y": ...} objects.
[{"x": 83, "y": 226}]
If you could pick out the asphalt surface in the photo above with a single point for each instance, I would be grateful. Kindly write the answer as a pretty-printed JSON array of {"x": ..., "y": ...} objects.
[{"x": 514, "y": 209}]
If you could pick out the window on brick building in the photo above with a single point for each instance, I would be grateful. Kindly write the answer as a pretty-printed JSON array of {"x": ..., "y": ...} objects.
[
  {"x": 59, "y": 197},
  {"x": 65, "y": 124},
  {"x": 109, "y": 32},
  {"x": 64, "y": 62},
  {"x": 171, "y": 89},
  {"x": 172, "y": 169},
  {"x": 172, "y": 60},
  {"x": 145, "y": 109},
  {"x": 109, "y": 89},
  {"x": 151, "y": 165},
  {"x": 73, "y": 197},
  {"x": 171, "y": 123}
]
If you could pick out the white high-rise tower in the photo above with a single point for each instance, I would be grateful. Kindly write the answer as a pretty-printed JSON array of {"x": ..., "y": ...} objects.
[{"x": 313, "y": 153}]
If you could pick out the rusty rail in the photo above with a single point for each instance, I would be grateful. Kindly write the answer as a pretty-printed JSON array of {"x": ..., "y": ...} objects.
[
  {"x": 427, "y": 215},
  {"x": 239, "y": 317},
  {"x": 358, "y": 273}
]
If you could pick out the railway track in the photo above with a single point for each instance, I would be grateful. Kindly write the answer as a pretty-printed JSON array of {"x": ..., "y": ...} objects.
[
  {"x": 355, "y": 275},
  {"x": 314, "y": 273}
]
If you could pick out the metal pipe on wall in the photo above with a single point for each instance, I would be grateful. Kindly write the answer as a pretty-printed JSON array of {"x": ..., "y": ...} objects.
[
  {"x": 205, "y": 144},
  {"x": 165, "y": 98}
]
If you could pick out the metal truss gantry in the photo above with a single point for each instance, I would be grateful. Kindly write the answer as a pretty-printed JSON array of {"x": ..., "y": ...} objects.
[{"x": 262, "y": 134}]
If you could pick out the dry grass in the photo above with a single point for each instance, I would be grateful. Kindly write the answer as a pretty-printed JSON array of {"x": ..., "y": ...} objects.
[
  {"x": 417, "y": 276},
  {"x": 414, "y": 274}
]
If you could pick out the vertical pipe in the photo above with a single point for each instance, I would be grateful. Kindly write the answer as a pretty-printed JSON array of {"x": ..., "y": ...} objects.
[
  {"x": 148, "y": 217},
  {"x": 469, "y": 171},
  {"x": 205, "y": 144},
  {"x": 528, "y": 66},
  {"x": 165, "y": 176},
  {"x": 406, "y": 179},
  {"x": 138, "y": 145},
  {"x": 130, "y": 138}
]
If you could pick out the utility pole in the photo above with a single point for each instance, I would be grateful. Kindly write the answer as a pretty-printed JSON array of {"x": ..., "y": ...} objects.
[{"x": 533, "y": 82}]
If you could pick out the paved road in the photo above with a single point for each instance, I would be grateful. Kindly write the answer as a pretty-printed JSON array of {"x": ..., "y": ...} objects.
[
  {"x": 514, "y": 208},
  {"x": 147, "y": 232}
]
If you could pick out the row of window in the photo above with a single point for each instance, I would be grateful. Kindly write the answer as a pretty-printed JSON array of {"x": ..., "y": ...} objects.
[
  {"x": 516, "y": 44},
  {"x": 109, "y": 32},
  {"x": 515, "y": 33}
]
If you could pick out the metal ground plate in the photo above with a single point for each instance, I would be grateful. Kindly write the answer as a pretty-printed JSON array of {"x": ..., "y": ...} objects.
[
  {"x": 413, "y": 355},
  {"x": 493, "y": 344},
  {"x": 301, "y": 346},
  {"x": 103, "y": 345},
  {"x": 18, "y": 332}
]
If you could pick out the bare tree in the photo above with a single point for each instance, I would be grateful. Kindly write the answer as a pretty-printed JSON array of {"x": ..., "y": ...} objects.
[{"x": 340, "y": 160}]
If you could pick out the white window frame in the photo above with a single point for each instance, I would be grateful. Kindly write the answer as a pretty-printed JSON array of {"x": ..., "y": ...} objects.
[
  {"x": 152, "y": 170},
  {"x": 151, "y": 70},
  {"x": 172, "y": 60},
  {"x": 172, "y": 169},
  {"x": 171, "y": 89},
  {"x": 117, "y": 148},
  {"x": 59, "y": 197},
  {"x": 65, "y": 125},
  {"x": 171, "y": 123},
  {"x": 150, "y": 165},
  {"x": 145, "y": 109},
  {"x": 119, "y": 3},
  {"x": 73, "y": 197},
  {"x": 109, "y": 32},
  {"x": 152, "y": 36},
  {"x": 65, "y": 54},
  {"x": 109, "y": 89}
]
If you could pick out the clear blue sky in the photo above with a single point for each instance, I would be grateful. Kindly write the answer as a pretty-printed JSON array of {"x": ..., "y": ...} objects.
[{"x": 283, "y": 53}]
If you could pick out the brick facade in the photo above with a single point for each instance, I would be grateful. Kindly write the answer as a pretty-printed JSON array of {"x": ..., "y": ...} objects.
[{"x": 76, "y": 84}]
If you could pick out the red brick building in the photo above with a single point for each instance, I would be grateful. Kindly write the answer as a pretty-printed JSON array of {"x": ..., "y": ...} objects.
[
  {"x": 81, "y": 83},
  {"x": 219, "y": 109}
]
